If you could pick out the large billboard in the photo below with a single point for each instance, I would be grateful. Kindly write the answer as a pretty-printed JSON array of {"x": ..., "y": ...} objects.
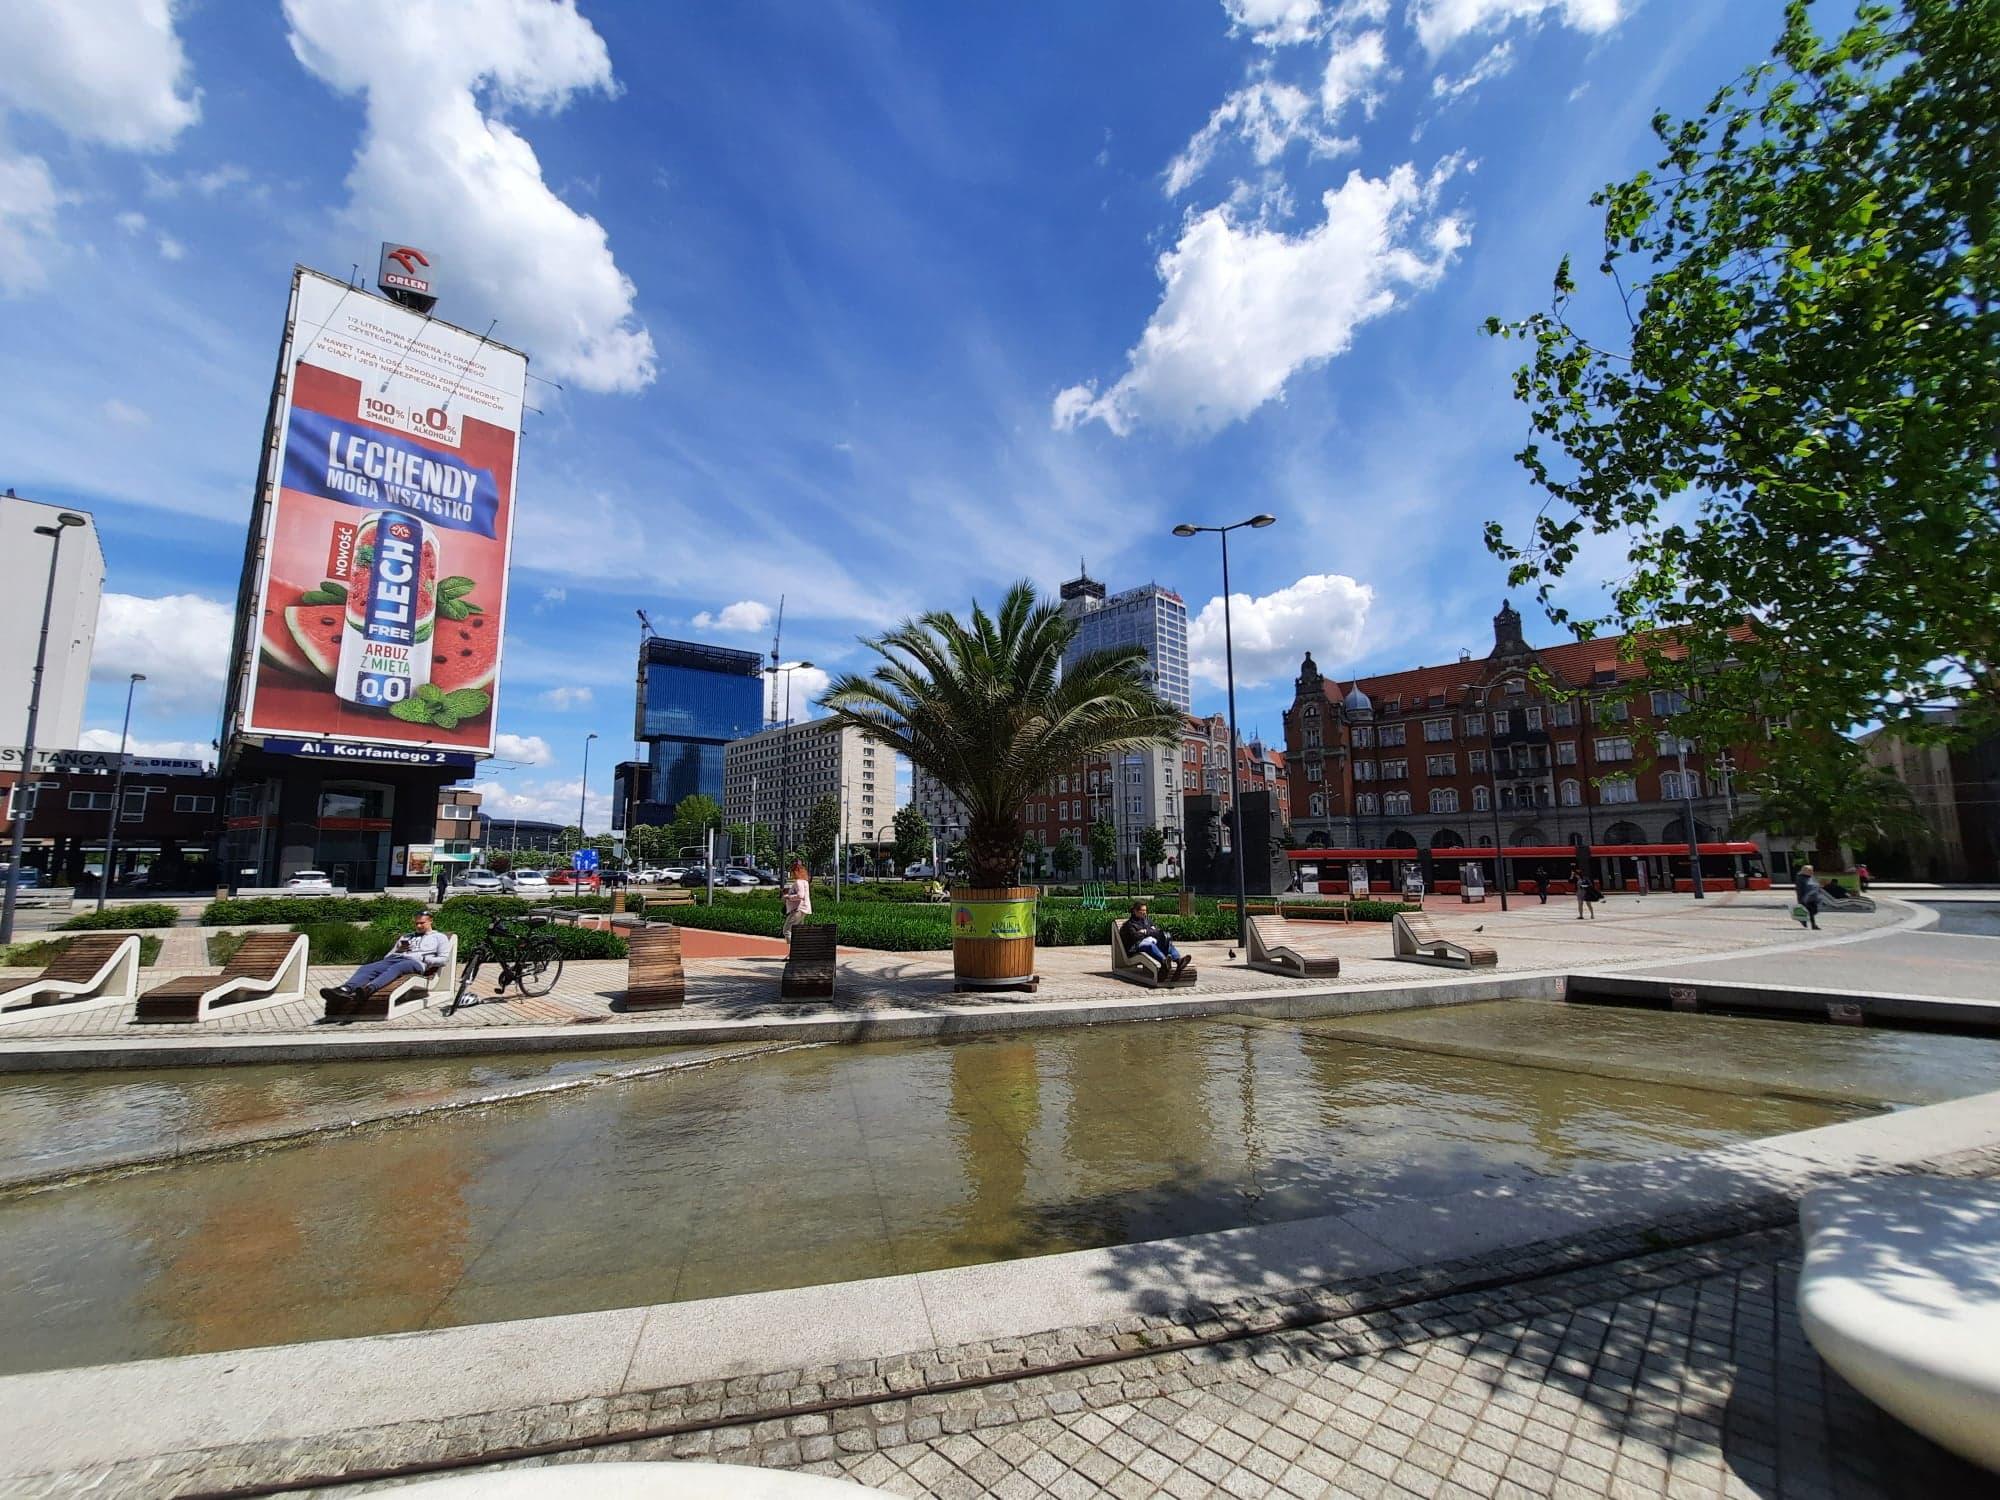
[{"x": 378, "y": 595}]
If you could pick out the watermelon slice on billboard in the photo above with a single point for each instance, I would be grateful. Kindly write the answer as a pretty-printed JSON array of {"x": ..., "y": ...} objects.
[
  {"x": 466, "y": 653},
  {"x": 315, "y": 631},
  {"x": 276, "y": 643}
]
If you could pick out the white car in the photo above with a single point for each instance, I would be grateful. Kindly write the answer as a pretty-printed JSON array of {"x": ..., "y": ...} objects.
[
  {"x": 918, "y": 872},
  {"x": 481, "y": 881},
  {"x": 525, "y": 883},
  {"x": 309, "y": 880}
]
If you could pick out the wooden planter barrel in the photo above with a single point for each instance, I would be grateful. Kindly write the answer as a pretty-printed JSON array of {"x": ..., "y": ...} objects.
[{"x": 993, "y": 937}]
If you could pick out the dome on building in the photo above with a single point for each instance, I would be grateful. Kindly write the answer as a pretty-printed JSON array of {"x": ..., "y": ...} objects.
[{"x": 1356, "y": 701}]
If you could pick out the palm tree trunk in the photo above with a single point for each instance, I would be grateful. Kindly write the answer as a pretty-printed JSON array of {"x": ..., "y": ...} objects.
[{"x": 993, "y": 851}]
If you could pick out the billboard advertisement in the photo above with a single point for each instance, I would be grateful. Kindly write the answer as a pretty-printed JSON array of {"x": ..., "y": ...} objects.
[{"x": 386, "y": 526}]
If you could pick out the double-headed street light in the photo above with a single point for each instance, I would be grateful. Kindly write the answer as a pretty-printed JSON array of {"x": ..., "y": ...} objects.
[
  {"x": 1229, "y": 673},
  {"x": 785, "y": 669},
  {"x": 117, "y": 796},
  {"x": 25, "y": 781},
  {"x": 582, "y": 797}
]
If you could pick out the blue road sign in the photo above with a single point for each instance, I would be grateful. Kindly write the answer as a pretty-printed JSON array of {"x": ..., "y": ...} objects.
[{"x": 584, "y": 861}]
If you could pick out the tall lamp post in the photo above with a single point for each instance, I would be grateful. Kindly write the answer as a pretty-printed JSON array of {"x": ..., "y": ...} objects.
[
  {"x": 1687, "y": 799},
  {"x": 25, "y": 781},
  {"x": 785, "y": 670},
  {"x": 1229, "y": 673},
  {"x": 117, "y": 796},
  {"x": 582, "y": 799}
]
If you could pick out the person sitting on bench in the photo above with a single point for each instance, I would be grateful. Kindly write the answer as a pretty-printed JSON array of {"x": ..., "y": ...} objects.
[
  {"x": 1142, "y": 935},
  {"x": 420, "y": 952}
]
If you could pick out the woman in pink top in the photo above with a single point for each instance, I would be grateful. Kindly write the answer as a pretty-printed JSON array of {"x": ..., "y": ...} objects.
[{"x": 798, "y": 897}]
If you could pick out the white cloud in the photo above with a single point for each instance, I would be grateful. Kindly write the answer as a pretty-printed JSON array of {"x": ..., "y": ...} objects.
[
  {"x": 1498, "y": 59},
  {"x": 107, "y": 739},
  {"x": 544, "y": 801},
  {"x": 563, "y": 699},
  {"x": 111, "y": 72},
  {"x": 1355, "y": 65},
  {"x": 209, "y": 183},
  {"x": 1275, "y": 23},
  {"x": 553, "y": 595},
  {"x": 745, "y": 615},
  {"x": 808, "y": 683},
  {"x": 125, "y": 414},
  {"x": 1441, "y": 23},
  {"x": 131, "y": 221},
  {"x": 180, "y": 641},
  {"x": 1268, "y": 116},
  {"x": 28, "y": 200},
  {"x": 439, "y": 163},
  {"x": 1246, "y": 307},
  {"x": 1323, "y": 613},
  {"x": 171, "y": 248},
  {"x": 528, "y": 749}
]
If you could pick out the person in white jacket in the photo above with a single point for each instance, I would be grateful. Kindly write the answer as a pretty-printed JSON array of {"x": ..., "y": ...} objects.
[{"x": 798, "y": 897}]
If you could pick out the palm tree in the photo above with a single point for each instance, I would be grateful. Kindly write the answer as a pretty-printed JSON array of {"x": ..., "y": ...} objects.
[
  {"x": 1825, "y": 788},
  {"x": 986, "y": 709}
]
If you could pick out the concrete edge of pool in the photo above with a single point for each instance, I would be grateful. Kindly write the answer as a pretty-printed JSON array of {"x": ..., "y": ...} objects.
[{"x": 307, "y": 1391}]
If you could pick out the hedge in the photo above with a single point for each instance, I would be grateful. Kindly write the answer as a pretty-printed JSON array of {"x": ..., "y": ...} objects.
[
  {"x": 46, "y": 951},
  {"x": 926, "y": 927},
  {"x": 290, "y": 911},
  {"x": 358, "y": 943},
  {"x": 138, "y": 914}
]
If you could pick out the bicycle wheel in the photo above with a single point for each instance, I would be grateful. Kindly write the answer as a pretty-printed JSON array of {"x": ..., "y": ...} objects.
[
  {"x": 539, "y": 966},
  {"x": 468, "y": 972}
]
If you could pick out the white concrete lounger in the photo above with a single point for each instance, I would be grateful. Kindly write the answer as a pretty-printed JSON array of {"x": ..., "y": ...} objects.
[
  {"x": 1417, "y": 941},
  {"x": 1138, "y": 968},
  {"x": 1290, "y": 948},
  {"x": 411, "y": 992},
  {"x": 269, "y": 969},
  {"x": 1900, "y": 1292},
  {"x": 93, "y": 971}
]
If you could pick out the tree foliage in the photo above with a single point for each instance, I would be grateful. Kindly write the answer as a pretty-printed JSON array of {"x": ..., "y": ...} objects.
[
  {"x": 1800, "y": 429},
  {"x": 913, "y": 836},
  {"x": 1152, "y": 849},
  {"x": 1067, "y": 856},
  {"x": 821, "y": 838},
  {"x": 1825, "y": 789},
  {"x": 1103, "y": 845},
  {"x": 986, "y": 707},
  {"x": 694, "y": 818}
]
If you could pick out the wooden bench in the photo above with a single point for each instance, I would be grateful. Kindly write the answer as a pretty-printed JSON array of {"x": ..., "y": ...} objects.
[
  {"x": 654, "y": 978},
  {"x": 1419, "y": 942},
  {"x": 1143, "y": 968},
  {"x": 90, "y": 973},
  {"x": 673, "y": 895},
  {"x": 1280, "y": 947},
  {"x": 410, "y": 992},
  {"x": 269, "y": 969},
  {"x": 809, "y": 962}
]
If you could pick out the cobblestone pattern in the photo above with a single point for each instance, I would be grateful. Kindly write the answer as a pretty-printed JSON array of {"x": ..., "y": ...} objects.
[{"x": 1487, "y": 1320}]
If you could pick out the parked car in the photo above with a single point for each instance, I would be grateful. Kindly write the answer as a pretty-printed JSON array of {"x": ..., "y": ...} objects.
[
  {"x": 918, "y": 872},
  {"x": 613, "y": 879},
  {"x": 309, "y": 880},
  {"x": 480, "y": 882},
  {"x": 738, "y": 878},
  {"x": 583, "y": 882},
  {"x": 525, "y": 883},
  {"x": 694, "y": 875},
  {"x": 29, "y": 877}
]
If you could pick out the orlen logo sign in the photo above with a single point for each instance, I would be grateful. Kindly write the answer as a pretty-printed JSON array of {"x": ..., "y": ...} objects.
[
  {"x": 409, "y": 259},
  {"x": 434, "y": 422}
]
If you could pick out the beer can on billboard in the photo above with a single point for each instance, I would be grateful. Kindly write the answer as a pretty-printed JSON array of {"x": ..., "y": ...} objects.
[{"x": 386, "y": 526}]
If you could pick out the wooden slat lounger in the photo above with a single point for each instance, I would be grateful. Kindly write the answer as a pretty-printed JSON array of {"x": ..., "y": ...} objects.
[
  {"x": 269, "y": 969},
  {"x": 1143, "y": 968},
  {"x": 411, "y": 992},
  {"x": 91, "y": 972},
  {"x": 1419, "y": 942},
  {"x": 654, "y": 978},
  {"x": 809, "y": 963},
  {"x": 1290, "y": 948}
]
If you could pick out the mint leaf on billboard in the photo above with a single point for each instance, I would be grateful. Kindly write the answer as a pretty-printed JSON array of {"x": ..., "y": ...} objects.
[
  {"x": 424, "y": 630},
  {"x": 454, "y": 586},
  {"x": 467, "y": 702},
  {"x": 327, "y": 593},
  {"x": 446, "y": 719},
  {"x": 364, "y": 555},
  {"x": 430, "y": 692},
  {"x": 453, "y": 609},
  {"x": 411, "y": 711}
]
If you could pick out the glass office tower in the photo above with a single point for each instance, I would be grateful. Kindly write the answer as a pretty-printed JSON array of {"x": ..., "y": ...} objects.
[{"x": 693, "y": 699}]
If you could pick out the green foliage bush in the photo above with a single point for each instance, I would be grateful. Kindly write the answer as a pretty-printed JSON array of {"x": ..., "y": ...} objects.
[
  {"x": 347, "y": 942},
  {"x": 138, "y": 914},
  {"x": 483, "y": 907},
  {"x": 291, "y": 911},
  {"x": 470, "y": 923},
  {"x": 46, "y": 951}
]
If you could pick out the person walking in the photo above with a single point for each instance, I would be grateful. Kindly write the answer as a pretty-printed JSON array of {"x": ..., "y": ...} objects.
[
  {"x": 443, "y": 882},
  {"x": 1811, "y": 898},
  {"x": 420, "y": 952},
  {"x": 1645, "y": 876},
  {"x": 1542, "y": 883},
  {"x": 798, "y": 897},
  {"x": 1861, "y": 876},
  {"x": 1586, "y": 894}
]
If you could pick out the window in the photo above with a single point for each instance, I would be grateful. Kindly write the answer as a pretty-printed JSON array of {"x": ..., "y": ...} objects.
[
  {"x": 1312, "y": 771},
  {"x": 1676, "y": 785},
  {"x": 1135, "y": 805},
  {"x": 1441, "y": 765},
  {"x": 1364, "y": 770},
  {"x": 1395, "y": 804},
  {"x": 1562, "y": 715},
  {"x": 1312, "y": 738},
  {"x": 1392, "y": 734},
  {"x": 1364, "y": 735},
  {"x": 1503, "y": 721},
  {"x": 1062, "y": 783},
  {"x": 185, "y": 803},
  {"x": 1395, "y": 770},
  {"x": 1393, "y": 706},
  {"x": 1666, "y": 704},
  {"x": 1617, "y": 789},
  {"x": 1316, "y": 804},
  {"x": 1534, "y": 716},
  {"x": 451, "y": 812},
  {"x": 1482, "y": 799},
  {"x": 1365, "y": 804},
  {"x": 1618, "y": 747},
  {"x": 1566, "y": 753},
  {"x": 1475, "y": 724},
  {"x": 1437, "y": 729},
  {"x": 1444, "y": 799},
  {"x": 1312, "y": 713},
  {"x": 1673, "y": 744},
  {"x": 1605, "y": 711},
  {"x": 90, "y": 802},
  {"x": 1572, "y": 794},
  {"x": 1476, "y": 760}
]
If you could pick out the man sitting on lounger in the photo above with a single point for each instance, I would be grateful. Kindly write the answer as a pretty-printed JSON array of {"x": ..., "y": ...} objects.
[
  {"x": 1143, "y": 936},
  {"x": 420, "y": 952}
]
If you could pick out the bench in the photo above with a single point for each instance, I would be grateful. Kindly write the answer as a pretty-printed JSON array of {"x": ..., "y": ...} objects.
[
  {"x": 46, "y": 897},
  {"x": 809, "y": 962},
  {"x": 1143, "y": 968},
  {"x": 1278, "y": 947},
  {"x": 673, "y": 895},
  {"x": 654, "y": 978},
  {"x": 1419, "y": 942},
  {"x": 269, "y": 969},
  {"x": 411, "y": 992},
  {"x": 90, "y": 973}
]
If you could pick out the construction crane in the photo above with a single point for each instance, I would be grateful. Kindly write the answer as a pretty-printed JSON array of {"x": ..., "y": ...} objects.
[{"x": 777, "y": 636}]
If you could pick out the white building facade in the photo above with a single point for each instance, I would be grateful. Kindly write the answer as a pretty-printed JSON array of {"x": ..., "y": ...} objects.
[
  {"x": 774, "y": 778},
  {"x": 24, "y": 582}
]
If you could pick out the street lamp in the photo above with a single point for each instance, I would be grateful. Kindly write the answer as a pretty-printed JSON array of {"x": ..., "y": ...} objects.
[
  {"x": 1492, "y": 796},
  {"x": 583, "y": 795},
  {"x": 1229, "y": 673},
  {"x": 1687, "y": 799},
  {"x": 117, "y": 794},
  {"x": 25, "y": 781},
  {"x": 785, "y": 669}
]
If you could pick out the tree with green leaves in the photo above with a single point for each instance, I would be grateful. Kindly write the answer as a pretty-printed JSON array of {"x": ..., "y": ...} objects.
[
  {"x": 695, "y": 817},
  {"x": 1068, "y": 855},
  {"x": 821, "y": 839},
  {"x": 986, "y": 706},
  {"x": 753, "y": 840},
  {"x": 913, "y": 836},
  {"x": 1033, "y": 852},
  {"x": 1795, "y": 435},
  {"x": 1103, "y": 846},
  {"x": 1826, "y": 789},
  {"x": 1152, "y": 849}
]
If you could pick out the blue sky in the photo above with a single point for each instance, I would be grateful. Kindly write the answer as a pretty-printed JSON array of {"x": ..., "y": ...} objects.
[{"x": 875, "y": 306}]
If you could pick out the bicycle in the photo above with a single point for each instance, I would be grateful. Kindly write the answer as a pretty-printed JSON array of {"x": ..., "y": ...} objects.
[{"x": 528, "y": 960}]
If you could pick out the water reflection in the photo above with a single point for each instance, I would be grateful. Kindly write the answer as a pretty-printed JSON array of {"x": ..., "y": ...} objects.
[{"x": 786, "y": 1170}]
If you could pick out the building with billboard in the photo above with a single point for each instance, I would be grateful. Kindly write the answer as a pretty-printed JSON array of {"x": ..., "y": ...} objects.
[
  {"x": 24, "y": 586},
  {"x": 773, "y": 779},
  {"x": 692, "y": 700},
  {"x": 166, "y": 814},
  {"x": 373, "y": 600}
]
